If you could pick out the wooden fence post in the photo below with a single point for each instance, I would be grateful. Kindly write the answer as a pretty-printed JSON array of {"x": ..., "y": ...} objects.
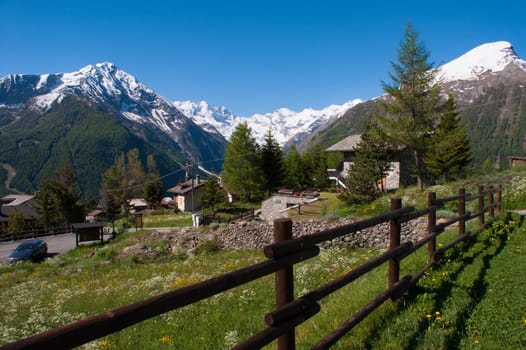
[
  {"x": 490, "y": 203},
  {"x": 499, "y": 199},
  {"x": 481, "y": 205},
  {"x": 431, "y": 223},
  {"x": 284, "y": 281},
  {"x": 394, "y": 241},
  {"x": 461, "y": 211}
]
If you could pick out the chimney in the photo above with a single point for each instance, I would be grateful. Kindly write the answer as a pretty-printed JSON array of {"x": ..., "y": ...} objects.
[{"x": 198, "y": 179}]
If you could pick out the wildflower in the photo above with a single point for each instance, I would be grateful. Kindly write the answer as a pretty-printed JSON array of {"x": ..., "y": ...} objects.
[
  {"x": 477, "y": 342},
  {"x": 429, "y": 316},
  {"x": 165, "y": 340},
  {"x": 437, "y": 313}
]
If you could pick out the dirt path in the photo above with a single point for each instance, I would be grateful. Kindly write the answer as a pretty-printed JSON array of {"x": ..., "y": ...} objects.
[{"x": 11, "y": 173}]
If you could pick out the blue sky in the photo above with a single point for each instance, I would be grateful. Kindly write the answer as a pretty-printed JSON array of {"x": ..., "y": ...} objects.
[{"x": 249, "y": 56}]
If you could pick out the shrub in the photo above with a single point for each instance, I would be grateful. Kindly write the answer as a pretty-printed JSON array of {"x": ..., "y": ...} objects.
[{"x": 208, "y": 246}]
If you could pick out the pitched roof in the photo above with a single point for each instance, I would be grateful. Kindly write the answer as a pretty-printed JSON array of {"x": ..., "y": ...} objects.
[
  {"x": 347, "y": 144},
  {"x": 185, "y": 187}
]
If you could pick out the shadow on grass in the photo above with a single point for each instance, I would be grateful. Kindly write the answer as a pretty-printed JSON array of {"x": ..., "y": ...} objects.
[{"x": 467, "y": 255}]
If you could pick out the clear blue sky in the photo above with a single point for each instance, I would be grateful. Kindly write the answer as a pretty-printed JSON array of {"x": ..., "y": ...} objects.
[{"x": 250, "y": 56}]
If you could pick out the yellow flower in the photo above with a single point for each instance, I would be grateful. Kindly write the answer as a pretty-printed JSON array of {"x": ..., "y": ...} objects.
[
  {"x": 437, "y": 313},
  {"x": 477, "y": 342},
  {"x": 429, "y": 316},
  {"x": 165, "y": 340}
]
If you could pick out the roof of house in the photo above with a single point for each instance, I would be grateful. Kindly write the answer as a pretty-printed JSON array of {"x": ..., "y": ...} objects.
[
  {"x": 137, "y": 202},
  {"x": 347, "y": 144},
  {"x": 16, "y": 199},
  {"x": 185, "y": 187}
]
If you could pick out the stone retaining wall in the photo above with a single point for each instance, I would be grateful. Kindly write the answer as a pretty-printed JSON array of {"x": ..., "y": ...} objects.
[{"x": 256, "y": 235}]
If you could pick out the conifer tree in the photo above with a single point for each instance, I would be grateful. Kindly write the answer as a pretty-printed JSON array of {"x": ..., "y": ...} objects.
[
  {"x": 370, "y": 165},
  {"x": 315, "y": 167},
  {"x": 272, "y": 163},
  {"x": 242, "y": 173},
  {"x": 213, "y": 193},
  {"x": 60, "y": 196},
  {"x": 414, "y": 101},
  {"x": 450, "y": 152},
  {"x": 294, "y": 178},
  {"x": 153, "y": 188}
]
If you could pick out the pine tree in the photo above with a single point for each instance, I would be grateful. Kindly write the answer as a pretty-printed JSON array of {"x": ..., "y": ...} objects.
[
  {"x": 295, "y": 173},
  {"x": 315, "y": 167},
  {"x": 414, "y": 101},
  {"x": 213, "y": 193},
  {"x": 242, "y": 173},
  {"x": 370, "y": 165},
  {"x": 450, "y": 153},
  {"x": 153, "y": 188},
  {"x": 272, "y": 163},
  {"x": 60, "y": 196}
]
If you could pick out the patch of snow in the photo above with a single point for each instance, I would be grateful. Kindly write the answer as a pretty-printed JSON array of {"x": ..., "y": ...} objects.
[{"x": 486, "y": 58}]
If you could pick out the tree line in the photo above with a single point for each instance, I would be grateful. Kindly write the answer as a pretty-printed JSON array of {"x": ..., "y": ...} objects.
[{"x": 252, "y": 172}]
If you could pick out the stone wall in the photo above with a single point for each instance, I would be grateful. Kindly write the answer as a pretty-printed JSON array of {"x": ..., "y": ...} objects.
[{"x": 256, "y": 235}]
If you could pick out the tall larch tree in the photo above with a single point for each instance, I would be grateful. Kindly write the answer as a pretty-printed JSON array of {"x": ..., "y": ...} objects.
[
  {"x": 242, "y": 173},
  {"x": 414, "y": 101},
  {"x": 450, "y": 154},
  {"x": 272, "y": 163}
]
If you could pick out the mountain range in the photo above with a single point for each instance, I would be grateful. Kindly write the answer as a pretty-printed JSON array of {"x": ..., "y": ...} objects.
[{"x": 90, "y": 116}]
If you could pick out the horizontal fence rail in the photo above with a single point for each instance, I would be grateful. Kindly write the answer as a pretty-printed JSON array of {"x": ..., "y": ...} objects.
[{"x": 282, "y": 256}]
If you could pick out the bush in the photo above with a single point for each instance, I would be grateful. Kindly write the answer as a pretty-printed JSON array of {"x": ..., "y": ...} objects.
[{"x": 208, "y": 246}]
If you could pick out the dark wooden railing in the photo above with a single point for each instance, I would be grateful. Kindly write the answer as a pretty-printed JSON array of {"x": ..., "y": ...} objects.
[
  {"x": 282, "y": 255},
  {"x": 33, "y": 233}
]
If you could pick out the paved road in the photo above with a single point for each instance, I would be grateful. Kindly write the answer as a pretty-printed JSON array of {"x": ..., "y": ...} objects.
[{"x": 58, "y": 244}]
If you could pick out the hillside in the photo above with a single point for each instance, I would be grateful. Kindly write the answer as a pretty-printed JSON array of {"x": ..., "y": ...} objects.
[
  {"x": 89, "y": 117},
  {"x": 489, "y": 87}
]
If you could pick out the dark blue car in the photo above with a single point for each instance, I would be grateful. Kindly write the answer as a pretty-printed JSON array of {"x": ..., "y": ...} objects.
[{"x": 33, "y": 250}]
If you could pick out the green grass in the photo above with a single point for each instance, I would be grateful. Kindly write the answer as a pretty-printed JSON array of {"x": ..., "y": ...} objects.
[{"x": 473, "y": 299}]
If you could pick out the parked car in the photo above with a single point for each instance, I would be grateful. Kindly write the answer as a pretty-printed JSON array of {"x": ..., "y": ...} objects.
[{"x": 33, "y": 250}]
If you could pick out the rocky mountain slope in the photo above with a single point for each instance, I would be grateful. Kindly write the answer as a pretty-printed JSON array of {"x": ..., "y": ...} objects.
[{"x": 94, "y": 106}]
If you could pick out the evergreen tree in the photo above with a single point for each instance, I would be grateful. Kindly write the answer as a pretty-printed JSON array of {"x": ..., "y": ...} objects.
[
  {"x": 242, "y": 173},
  {"x": 60, "y": 196},
  {"x": 414, "y": 101},
  {"x": 124, "y": 180},
  {"x": 294, "y": 170},
  {"x": 46, "y": 208},
  {"x": 272, "y": 164},
  {"x": 153, "y": 188},
  {"x": 370, "y": 165},
  {"x": 213, "y": 193},
  {"x": 450, "y": 153},
  {"x": 315, "y": 167}
]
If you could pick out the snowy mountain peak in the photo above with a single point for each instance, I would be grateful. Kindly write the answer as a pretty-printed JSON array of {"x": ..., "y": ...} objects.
[
  {"x": 284, "y": 123},
  {"x": 483, "y": 59}
]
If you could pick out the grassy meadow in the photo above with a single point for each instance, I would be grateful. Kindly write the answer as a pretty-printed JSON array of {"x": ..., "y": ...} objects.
[{"x": 473, "y": 299}]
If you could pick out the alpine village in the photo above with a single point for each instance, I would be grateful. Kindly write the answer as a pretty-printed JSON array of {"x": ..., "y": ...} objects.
[{"x": 129, "y": 221}]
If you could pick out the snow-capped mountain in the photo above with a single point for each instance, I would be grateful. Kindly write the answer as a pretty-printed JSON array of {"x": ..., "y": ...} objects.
[
  {"x": 212, "y": 119},
  {"x": 485, "y": 59},
  {"x": 91, "y": 116},
  {"x": 285, "y": 124},
  {"x": 117, "y": 91}
]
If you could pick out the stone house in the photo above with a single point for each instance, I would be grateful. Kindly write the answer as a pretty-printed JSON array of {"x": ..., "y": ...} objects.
[
  {"x": 188, "y": 195},
  {"x": 397, "y": 175}
]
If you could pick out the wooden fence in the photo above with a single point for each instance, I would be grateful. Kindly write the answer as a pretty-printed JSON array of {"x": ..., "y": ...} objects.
[
  {"x": 282, "y": 255},
  {"x": 33, "y": 233}
]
